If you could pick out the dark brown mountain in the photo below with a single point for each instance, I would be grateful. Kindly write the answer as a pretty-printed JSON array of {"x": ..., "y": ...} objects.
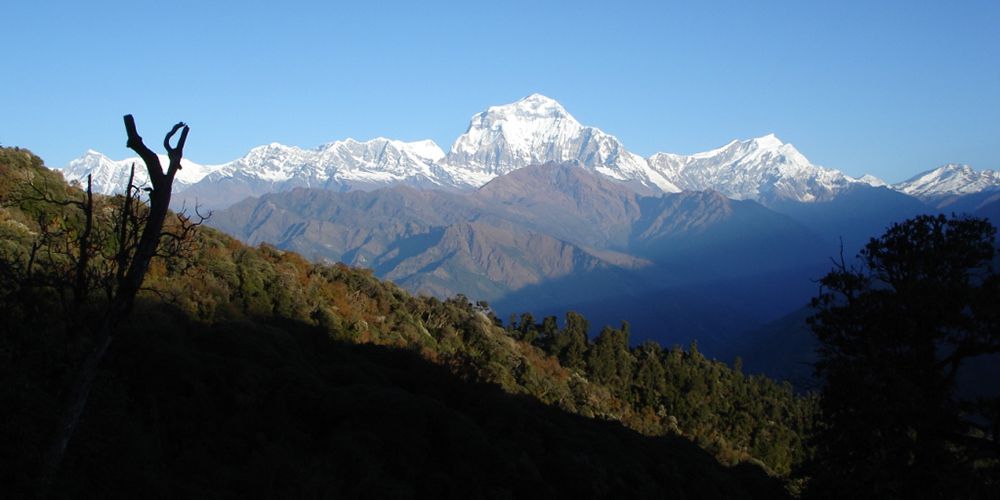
[
  {"x": 552, "y": 236},
  {"x": 567, "y": 202},
  {"x": 489, "y": 259}
]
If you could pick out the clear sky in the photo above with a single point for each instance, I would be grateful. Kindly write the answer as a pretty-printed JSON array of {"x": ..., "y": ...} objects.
[{"x": 883, "y": 87}]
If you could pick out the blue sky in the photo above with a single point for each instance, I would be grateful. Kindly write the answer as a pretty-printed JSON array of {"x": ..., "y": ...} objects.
[{"x": 888, "y": 88}]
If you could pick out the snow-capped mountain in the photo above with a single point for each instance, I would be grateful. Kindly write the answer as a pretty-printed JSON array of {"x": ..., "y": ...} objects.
[
  {"x": 950, "y": 179},
  {"x": 109, "y": 176},
  {"x": 536, "y": 130},
  {"x": 339, "y": 164},
  {"x": 533, "y": 130},
  {"x": 762, "y": 169}
]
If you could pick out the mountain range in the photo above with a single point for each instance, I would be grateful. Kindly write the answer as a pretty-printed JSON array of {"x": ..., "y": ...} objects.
[
  {"x": 532, "y": 211},
  {"x": 549, "y": 238},
  {"x": 502, "y": 139}
]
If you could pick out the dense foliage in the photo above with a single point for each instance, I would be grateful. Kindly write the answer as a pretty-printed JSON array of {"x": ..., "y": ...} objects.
[
  {"x": 254, "y": 371},
  {"x": 894, "y": 335},
  {"x": 659, "y": 391}
]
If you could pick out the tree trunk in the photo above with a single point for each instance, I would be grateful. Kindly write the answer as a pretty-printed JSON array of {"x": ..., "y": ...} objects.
[{"x": 127, "y": 287}]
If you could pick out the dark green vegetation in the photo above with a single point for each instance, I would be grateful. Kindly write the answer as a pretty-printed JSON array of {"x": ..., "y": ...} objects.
[
  {"x": 894, "y": 335},
  {"x": 737, "y": 417},
  {"x": 253, "y": 372}
]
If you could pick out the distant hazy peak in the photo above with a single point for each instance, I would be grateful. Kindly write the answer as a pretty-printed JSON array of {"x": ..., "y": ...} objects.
[
  {"x": 949, "y": 179},
  {"x": 873, "y": 181},
  {"x": 949, "y": 169}
]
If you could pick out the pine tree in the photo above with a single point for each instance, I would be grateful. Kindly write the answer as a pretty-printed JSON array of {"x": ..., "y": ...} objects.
[
  {"x": 609, "y": 360},
  {"x": 570, "y": 343}
]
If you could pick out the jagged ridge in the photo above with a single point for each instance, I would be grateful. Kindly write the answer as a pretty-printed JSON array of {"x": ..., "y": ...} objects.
[
  {"x": 502, "y": 139},
  {"x": 950, "y": 179}
]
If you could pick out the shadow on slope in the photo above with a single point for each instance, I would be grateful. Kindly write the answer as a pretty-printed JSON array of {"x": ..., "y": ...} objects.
[
  {"x": 784, "y": 349},
  {"x": 967, "y": 203},
  {"x": 236, "y": 410},
  {"x": 856, "y": 215},
  {"x": 717, "y": 313},
  {"x": 990, "y": 208}
]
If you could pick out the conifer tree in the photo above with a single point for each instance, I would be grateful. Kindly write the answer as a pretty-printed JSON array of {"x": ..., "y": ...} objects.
[
  {"x": 609, "y": 359},
  {"x": 570, "y": 343}
]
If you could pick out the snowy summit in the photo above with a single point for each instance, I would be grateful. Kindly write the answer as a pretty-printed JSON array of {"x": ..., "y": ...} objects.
[
  {"x": 764, "y": 169},
  {"x": 950, "y": 179},
  {"x": 501, "y": 139}
]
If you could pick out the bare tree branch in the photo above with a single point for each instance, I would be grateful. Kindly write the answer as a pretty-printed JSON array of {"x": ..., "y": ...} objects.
[
  {"x": 175, "y": 154},
  {"x": 135, "y": 144},
  {"x": 137, "y": 247}
]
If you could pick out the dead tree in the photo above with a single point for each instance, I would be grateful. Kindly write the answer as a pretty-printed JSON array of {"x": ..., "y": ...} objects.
[{"x": 133, "y": 262}]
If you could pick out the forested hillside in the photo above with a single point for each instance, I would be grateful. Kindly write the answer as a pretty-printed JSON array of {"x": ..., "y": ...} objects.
[{"x": 252, "y": 371}]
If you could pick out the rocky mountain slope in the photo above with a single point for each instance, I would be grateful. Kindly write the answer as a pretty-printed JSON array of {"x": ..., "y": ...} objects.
[{"x": 539, "y": 238}]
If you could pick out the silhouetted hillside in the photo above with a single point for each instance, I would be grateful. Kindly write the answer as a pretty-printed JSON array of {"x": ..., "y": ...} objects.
[
  {"x": 243, "y": 409},
  {"x": 253, "y": 372}
]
